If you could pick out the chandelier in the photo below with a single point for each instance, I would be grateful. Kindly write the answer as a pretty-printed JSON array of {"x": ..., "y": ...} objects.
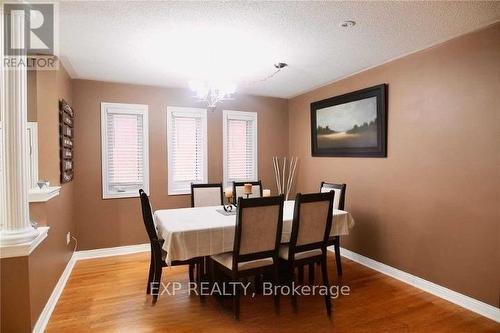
[{"x": 212, "y": 92}]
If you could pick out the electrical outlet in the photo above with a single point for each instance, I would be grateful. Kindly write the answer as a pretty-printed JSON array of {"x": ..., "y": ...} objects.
[{"x": 68, "y": 237}]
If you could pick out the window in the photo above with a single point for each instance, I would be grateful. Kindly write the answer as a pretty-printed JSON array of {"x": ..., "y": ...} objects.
[
  {"x": 187, "y": 148},
  {"x": 124, "y": 141},
  {"x": 240, "y": 146}
]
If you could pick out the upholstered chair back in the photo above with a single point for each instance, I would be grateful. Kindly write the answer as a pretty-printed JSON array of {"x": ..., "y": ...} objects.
[
  {"x": 258, "y": 226},
  {"x": 339, "y": 189},
  {"x": 203, "y": 195},
  {"x": 312, "y": 220}
]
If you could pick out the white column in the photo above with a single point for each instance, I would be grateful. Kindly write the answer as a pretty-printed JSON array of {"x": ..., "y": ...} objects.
[{"x": 16, "y": 226}]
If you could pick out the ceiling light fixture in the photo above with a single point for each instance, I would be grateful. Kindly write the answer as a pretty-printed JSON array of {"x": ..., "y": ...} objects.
[
  {"x": 215, "y": 92},
  {"x": 212, "y": 92},
  {"x": 348, "y": 24}
]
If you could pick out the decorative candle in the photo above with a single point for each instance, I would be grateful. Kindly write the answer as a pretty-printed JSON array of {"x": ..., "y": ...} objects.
[
  {"x": 228, "y": 192},
  {"x": 247, "y": 189},
  {"x": 266, "y": 193}
]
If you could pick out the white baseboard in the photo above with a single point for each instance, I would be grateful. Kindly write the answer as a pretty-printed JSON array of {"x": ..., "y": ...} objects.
[
  {"x": 464, "y": 301},
  {"x": 44, "y": 317},
  {"x": 112, "y": 251}
]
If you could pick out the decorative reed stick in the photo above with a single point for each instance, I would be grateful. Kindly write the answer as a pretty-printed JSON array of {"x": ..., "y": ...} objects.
[
  {"x": 284, "y": 180},
  {"x": 291, "y": 174},
  {"x": 277, "y": 173},
  {"x": 284, "y": 172}
]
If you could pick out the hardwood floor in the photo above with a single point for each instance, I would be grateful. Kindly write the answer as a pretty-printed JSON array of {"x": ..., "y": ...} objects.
[{"x": 108, "y": 295}]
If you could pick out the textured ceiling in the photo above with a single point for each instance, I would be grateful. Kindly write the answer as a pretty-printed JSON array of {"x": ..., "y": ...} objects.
[{"x": 171, "y": 43}]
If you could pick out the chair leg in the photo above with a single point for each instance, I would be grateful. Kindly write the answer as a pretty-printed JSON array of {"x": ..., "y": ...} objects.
[
  {"x": 276, "y": 295},
  {"x": 151, "y": 273},
  {"x": 300, "y": 276},
  {"x": 324, "y": 272},
  {"x": 191, "y": 272},
  {"x": 198, "y": 272},
  {"x": 217, "y": 278},
  {"x": 258, "y": 283},
  {"x": 291, "y": 282},
  {"x": 201, "y": 276},
  {"x": 211, "y": 270},
  {"x": 157, "y": 281},
  {"x": 311, "y": 273},
  {"x": 236, "y": 301},
  {"x": 337, "y": 256}
]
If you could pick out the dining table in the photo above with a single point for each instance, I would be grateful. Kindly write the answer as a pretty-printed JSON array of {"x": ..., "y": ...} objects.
[{"x": 204, "y": 231}]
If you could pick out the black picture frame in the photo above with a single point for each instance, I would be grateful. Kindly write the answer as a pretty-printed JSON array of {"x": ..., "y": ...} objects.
[{"x": 380, "y": 92}]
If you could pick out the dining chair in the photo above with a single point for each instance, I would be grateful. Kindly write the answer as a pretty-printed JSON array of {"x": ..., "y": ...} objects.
[
  {"x": 338, "y": 203},
  {"x": 158, "y": 255},
  {"x": 257, "y": 240},
  {"x": 203, "y": 195},
  {"x": 238, "y": 190},
  {"x": 339, "y": 190},
  {"x": 312, "y": 221}
]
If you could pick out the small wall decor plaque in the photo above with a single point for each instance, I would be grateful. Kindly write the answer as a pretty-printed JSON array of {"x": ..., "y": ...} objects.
[
  {"x": 66, "y": 135},
  {"x": 66, "y": 153}
]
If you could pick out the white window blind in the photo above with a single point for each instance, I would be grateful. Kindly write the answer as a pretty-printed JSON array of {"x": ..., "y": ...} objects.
[
  {"x": 240, "y": 146},
  {"x": 187, "y": 148},
  {"x": 125, "y": 162}
]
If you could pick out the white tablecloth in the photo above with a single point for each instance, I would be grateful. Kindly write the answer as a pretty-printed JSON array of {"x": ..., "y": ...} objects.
[{"x": 202, "y": 231}]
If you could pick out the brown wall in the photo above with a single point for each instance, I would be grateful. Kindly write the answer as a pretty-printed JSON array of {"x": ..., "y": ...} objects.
[
  {"x": 116, "y": 222},
  {"x": 431, "y": 208},
  {"x": 15, "y": 302},
  {"x": 50, "y": 87},
  {"x": 27, "y": 282},
  {"x": 48, "y": 261}
]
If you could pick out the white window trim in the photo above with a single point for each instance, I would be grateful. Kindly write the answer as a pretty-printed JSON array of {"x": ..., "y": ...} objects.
[
  {"x": 244, "y": 115},
  {"x": 124, "y": 109},
  {"x": 186, "y": 111}
]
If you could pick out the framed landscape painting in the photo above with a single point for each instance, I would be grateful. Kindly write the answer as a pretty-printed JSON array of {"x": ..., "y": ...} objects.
[{"x": 351, "y": 125}]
